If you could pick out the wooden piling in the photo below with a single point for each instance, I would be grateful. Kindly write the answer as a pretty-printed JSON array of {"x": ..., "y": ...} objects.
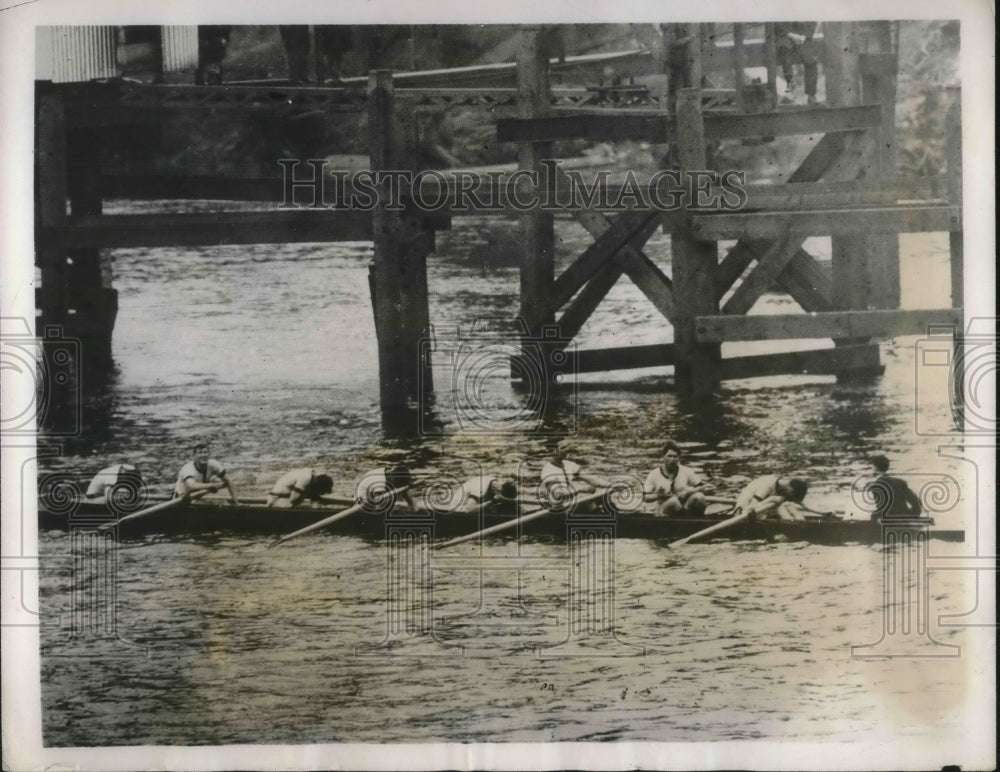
[
  {"x": 851, "y": 256},
  {"x": 398, "y": 274},
  {"x": 878, "y": 86},
  {"x": 953, "y": 150},
  {"x": 50, "y": 209},
  {"x": 739, "y": 71},
  {"x": 537, "y": 228},
  {"x": 94, "y": 300},
  {"x": 694, "y": 263}
]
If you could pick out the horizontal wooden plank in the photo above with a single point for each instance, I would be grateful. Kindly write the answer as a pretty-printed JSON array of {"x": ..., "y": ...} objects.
[
  {"x": 658, "y": 127},
  {"x": 827, "y": 324},
  {"x": 162, "y": 230},
  {"x": 818, "y": 120},
  {"x": 602, "y": 127},
  {"x": 828, "y": 361},
  {"x": 623, "y": 358},
  {"x": 827, "y": 222},
  {"x": 803, "y": 195}
]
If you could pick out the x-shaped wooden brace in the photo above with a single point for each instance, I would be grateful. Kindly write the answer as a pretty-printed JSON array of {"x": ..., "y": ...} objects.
[
  {"x": 838, "y": 156},
  {"x": 617, "y": 250}
]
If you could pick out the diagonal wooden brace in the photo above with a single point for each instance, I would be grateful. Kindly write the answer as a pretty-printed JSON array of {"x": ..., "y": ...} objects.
[{"x": 629, "y": 228}]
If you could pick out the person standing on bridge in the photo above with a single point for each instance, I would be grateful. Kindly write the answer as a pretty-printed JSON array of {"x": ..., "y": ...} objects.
[
  {"x": 679, "y": 487},
  {"x": 299, "y": 485},
  {"x": 202, "y": 473}
]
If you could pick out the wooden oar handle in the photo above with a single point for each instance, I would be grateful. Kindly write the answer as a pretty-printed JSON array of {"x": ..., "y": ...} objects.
[{"x": 163, "y": 505}]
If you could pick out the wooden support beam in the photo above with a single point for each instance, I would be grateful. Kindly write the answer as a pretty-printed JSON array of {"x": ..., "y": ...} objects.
[
  {"x": 583, "y": 305},
  {"x": 878, "y": 86},
  {"x": 776, "y": 123},
  {"x": 739, "y": 65},
  {"x": 835, "y": 222},
  {"x": 537, "y": 228},
  {"x": 623, "y": 124},
  {"x": 803, "y": 278},
  {"x": 624, "y": 358},
  {"x": 808, "y": 284},
  {"x": 50, "y": 204},
  {"x": 953, "y": 155},
  {"x": 694, "y": 261},
  {"x": 653, "y": 283},
  {"x": 208, "y": 229},
  {"x": 641, "y": 270},
  {"x": 860, "y": 360},
  {"x": 633, "y": 228},
  {"x": 769, "y": 267},
  {"x": 832, "y": 324},
  {"x": 596, "y": 127},
  {"x": 398, "y": 273},
  {"x": 821, "y": 157},
  {"x": 771, "y": 59},
  {"x": 735, "y": 262}
]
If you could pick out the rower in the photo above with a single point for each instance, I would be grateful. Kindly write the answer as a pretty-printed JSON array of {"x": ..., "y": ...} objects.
[
  {"x": 101, "y": 488},
  {"x": 774, "y": 496},
  {"x": 892, "y": 497},
  {"x": 202, "y": 473},
  {"x": 561, "y": 477},
  {"x": 300, "y": 484},
  {"x": 373, "y": 487},
  {"x": 479, "y": 492},
  {"x": 679, "y": 487}
]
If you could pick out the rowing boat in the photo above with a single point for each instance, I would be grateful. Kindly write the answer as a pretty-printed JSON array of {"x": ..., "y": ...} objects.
[{"x": 214, "y": 517}]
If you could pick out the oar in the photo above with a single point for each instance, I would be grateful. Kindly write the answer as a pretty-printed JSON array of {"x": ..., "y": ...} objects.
[
  {"x": 711, "y": 529},
  {"x": 155, "y": 508},
  {"x": 518, "y": 520},
  {"x": 327, "y": 520},
  {"x": 720, "y": 500}
]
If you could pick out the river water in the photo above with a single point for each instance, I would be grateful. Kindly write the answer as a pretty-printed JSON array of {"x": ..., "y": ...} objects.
[{"x": 268, "y": 352}]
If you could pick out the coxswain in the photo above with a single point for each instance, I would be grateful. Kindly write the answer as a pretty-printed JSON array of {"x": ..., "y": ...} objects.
[{"x": 892, "y": 497}]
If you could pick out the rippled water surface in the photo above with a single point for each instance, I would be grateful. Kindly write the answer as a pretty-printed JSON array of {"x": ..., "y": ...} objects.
[{"x": 269, "y": 353}]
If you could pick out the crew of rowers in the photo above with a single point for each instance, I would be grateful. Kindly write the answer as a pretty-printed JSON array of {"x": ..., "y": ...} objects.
[{"x": 677, "y": 489}]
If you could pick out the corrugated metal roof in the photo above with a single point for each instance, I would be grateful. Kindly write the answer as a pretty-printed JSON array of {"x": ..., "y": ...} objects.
[
  {"x": 180, "y": 48},
  {"x": 66, "y": 54}
]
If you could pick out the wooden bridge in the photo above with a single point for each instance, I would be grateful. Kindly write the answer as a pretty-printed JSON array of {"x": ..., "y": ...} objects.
[{"x": 845, "y": 188}]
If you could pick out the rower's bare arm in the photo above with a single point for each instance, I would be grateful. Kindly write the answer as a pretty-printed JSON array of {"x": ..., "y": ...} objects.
[
  {"x": 191, "y": 486},
  {"x": 232, "y": 493},
  {"x": 765, "y": 505}
]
